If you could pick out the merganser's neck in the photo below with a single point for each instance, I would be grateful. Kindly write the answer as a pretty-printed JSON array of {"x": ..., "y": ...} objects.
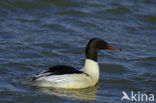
[
  {"x": 92, "y": 69},
  {"x": 91, "y": 53}
]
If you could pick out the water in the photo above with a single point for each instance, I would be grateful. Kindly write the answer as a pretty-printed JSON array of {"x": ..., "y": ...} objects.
[{"x": 37, "y": 34}]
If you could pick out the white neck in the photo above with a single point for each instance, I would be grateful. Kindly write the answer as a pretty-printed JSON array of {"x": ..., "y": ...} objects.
[{"x": 92, "y": 69}]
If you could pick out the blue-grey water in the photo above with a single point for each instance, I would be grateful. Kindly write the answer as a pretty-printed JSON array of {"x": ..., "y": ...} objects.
[{"x": 38, "y": 34}]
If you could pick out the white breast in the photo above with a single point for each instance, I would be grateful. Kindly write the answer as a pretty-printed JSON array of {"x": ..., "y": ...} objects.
[{"x": 92, "y": 69}]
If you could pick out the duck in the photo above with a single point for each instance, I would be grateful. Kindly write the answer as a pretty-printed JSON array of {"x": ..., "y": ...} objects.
[{"x": 67, "y": 77}]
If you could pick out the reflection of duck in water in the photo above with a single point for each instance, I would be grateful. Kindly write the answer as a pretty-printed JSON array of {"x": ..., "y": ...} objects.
[
  {"x": 68, "y": 77},
  {"x": 85, "y": 94}
]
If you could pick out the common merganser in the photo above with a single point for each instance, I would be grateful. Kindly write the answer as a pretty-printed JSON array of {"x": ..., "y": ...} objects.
[{"x": 67, "y": 77}]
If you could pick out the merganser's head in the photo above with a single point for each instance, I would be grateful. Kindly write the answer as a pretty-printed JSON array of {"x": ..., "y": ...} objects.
[{"x": 96, "y": 44}]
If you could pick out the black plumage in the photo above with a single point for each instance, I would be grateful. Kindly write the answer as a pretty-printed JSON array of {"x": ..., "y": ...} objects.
[
  {"x": 62, "y": 69},
  {"x": 59, "y": 70}
]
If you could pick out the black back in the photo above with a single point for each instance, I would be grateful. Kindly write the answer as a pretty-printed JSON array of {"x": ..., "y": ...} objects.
[
  {"x": 62, "y": 69},
  {"x": 59, "y": 70}
]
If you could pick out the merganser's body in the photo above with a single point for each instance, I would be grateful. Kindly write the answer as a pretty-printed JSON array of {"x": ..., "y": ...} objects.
[{"x": 70, "y": 78}]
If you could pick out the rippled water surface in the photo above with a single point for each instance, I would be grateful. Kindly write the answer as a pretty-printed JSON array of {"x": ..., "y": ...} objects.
[{"x": 37, "y": 34}]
